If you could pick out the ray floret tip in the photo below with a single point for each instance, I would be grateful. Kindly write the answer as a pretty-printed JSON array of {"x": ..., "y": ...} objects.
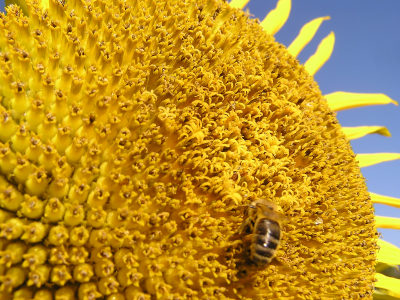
[
  {"x": 345, "y": 100},
  {"x": 277, "y": 17},
  {"x": 382, "y": 199},
  {"x": 370, "y": 159},
  {"x": 321, "y": 55},
  {"x": 357, "y": 132},
  {"x": 306, "y": 34},
  {"x": 240, "y": 4}
]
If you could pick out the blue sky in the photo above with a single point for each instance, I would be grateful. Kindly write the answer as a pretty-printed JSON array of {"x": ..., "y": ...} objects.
[{"x": 366, "y": 59}]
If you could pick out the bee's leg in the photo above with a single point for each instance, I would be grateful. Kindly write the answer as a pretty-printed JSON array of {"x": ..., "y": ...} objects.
[{"x": 246, "y": 226}]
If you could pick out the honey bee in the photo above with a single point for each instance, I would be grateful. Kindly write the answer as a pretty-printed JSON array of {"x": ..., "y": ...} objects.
[{"x": 263, "y": 228}]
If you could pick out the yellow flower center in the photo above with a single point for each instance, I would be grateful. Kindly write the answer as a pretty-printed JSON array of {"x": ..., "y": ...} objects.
[{"x": 134, "y": 135}]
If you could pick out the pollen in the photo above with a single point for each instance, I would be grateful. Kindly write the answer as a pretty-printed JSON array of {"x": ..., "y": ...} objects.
[{"x": 134, "y": 134}]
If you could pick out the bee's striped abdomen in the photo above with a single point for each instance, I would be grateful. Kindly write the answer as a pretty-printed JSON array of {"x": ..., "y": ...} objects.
[{"x": 265, "y": 241}]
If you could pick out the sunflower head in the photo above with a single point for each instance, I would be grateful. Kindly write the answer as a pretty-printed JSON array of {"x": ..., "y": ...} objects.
[{"x": 133, "y": 136}]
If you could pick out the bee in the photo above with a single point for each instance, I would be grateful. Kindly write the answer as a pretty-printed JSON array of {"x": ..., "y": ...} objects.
[{"x": 262, "y": 225}]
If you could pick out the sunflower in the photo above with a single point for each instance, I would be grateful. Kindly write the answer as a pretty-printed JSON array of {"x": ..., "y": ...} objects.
[{"x": 133, "y": 135}]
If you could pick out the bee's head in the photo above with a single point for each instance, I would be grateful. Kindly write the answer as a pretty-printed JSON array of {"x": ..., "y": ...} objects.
[{"x": 260, "y": 205}]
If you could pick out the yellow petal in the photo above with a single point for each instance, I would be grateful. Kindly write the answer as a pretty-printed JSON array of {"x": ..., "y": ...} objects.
[
  {"x": 306, "y": 34},
  {"x": 353, "y": 133},
  {"x": 383, "y": 268},
  {"x": 321, "y": 56},
  {"x": 343, "y": 100},
  {"x": 388, "y": 283},
  {"x": 387, "y": 222},
  {"x": 388, "y": 253},
  {"x": 277, "y": 17},
  {"x": 381, "y": 199},
  {"x": 370, "y": 159},
  {"x": 239, "y": 3}
]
